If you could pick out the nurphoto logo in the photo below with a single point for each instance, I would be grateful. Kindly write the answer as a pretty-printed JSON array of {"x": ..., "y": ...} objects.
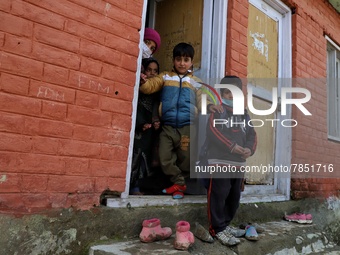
[{"x": 238, "y": 106}]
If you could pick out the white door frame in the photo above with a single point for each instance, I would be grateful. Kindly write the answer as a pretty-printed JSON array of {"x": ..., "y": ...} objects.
[
  {"x": 125, "y": 194},
  {"x": 213, "y": 40},
  {"x": 283, "y": 137}
]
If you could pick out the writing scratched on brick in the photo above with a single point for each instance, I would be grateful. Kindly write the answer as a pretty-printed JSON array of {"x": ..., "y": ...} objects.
[
  {"x": 3, "y": 178},
  {"x": 107, "y": 9},
  {"x": 85, "y": 82},
  {"x": 49, "y": 93}
]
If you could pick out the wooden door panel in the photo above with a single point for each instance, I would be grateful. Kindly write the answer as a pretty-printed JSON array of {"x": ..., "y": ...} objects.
[
  {"x": 262, "y": 69},
  {"x": 264, "y": 154},
  {"x": 178, "y": 21}
]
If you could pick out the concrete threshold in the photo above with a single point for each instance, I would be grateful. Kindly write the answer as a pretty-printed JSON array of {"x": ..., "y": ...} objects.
[{"x": 167, "y": 200}]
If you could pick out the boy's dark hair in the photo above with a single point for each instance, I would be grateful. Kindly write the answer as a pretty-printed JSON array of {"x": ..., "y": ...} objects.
[
  {"x": 183, "y": 50},
  {"x": 231, "y": 79}
]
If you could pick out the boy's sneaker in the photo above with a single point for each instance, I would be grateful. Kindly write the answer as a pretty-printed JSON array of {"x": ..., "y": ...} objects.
[
  {"x": 174, "y": 188},
  {"x": 299, "y": 218},
  {"x": 227, "y": 239},
  {"x": 234, "y": 231}
]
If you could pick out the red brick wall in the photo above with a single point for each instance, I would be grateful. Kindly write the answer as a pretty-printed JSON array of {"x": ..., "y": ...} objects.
[
  {"x": 310, "y": 145},
  {"x": 311, "y": 22},
  {"x": 237, "y": 49},
  {"x": 67, "y": 75}
]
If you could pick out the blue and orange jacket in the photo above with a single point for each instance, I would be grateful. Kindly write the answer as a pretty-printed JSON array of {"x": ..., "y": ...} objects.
[{"x": 180, "y": 97}]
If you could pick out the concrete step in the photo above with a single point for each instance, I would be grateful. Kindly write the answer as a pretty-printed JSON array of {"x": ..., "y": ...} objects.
[
  {"x": 137, "y": 247},
  {"x": 279, "y": 238}
]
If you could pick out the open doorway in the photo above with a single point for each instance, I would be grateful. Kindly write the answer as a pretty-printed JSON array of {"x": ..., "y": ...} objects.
[
  {"x": 174, "y": 22},
  {"x": 192, "y": 22}
]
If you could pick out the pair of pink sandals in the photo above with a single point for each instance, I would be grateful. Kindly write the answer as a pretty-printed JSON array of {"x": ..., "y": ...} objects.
[{"x": 152, "y": 231}]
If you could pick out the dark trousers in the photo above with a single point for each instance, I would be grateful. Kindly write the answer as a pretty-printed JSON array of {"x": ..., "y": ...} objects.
[{"x": 223, "y": 201}]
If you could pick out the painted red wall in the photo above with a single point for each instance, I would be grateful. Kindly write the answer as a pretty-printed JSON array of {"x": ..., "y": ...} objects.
[
  {"x": 237, "y": 49},
  {"x": 67, "y": 76},
  {"x": 310, "y": 23}
]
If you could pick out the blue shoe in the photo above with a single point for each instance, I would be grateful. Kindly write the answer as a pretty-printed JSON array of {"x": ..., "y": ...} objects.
[
  {"x": 251, "y": 233},
  {"x": 177, "y": 195}
]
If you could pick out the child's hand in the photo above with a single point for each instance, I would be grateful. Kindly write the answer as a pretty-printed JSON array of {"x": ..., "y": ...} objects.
[
  {"x": 247, "y": 153},
  {"x": 238, "y": 149},
  {"x": 143, "y": 78},
  {"x": 156, "y": 125},
  {"x": 146, "y": 126},
  {"x": 215, "y": 108}
]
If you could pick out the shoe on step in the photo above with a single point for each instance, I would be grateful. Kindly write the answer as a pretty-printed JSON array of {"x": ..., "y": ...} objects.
[
  {"x": 259, "y": 229},
  {"x": 299, "y": 218},
  {"x": 174, "y": 188},
  {"x": 251, "y": 233},
  {"x": 235, "y": 231},
  {"x": 152, "y": 231},
  {"x": 184, "y": 238},
  {"x": 227, "y": 239},
  {"x": 201, "y": 233},
  {"x": 177, "y": 195}
]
